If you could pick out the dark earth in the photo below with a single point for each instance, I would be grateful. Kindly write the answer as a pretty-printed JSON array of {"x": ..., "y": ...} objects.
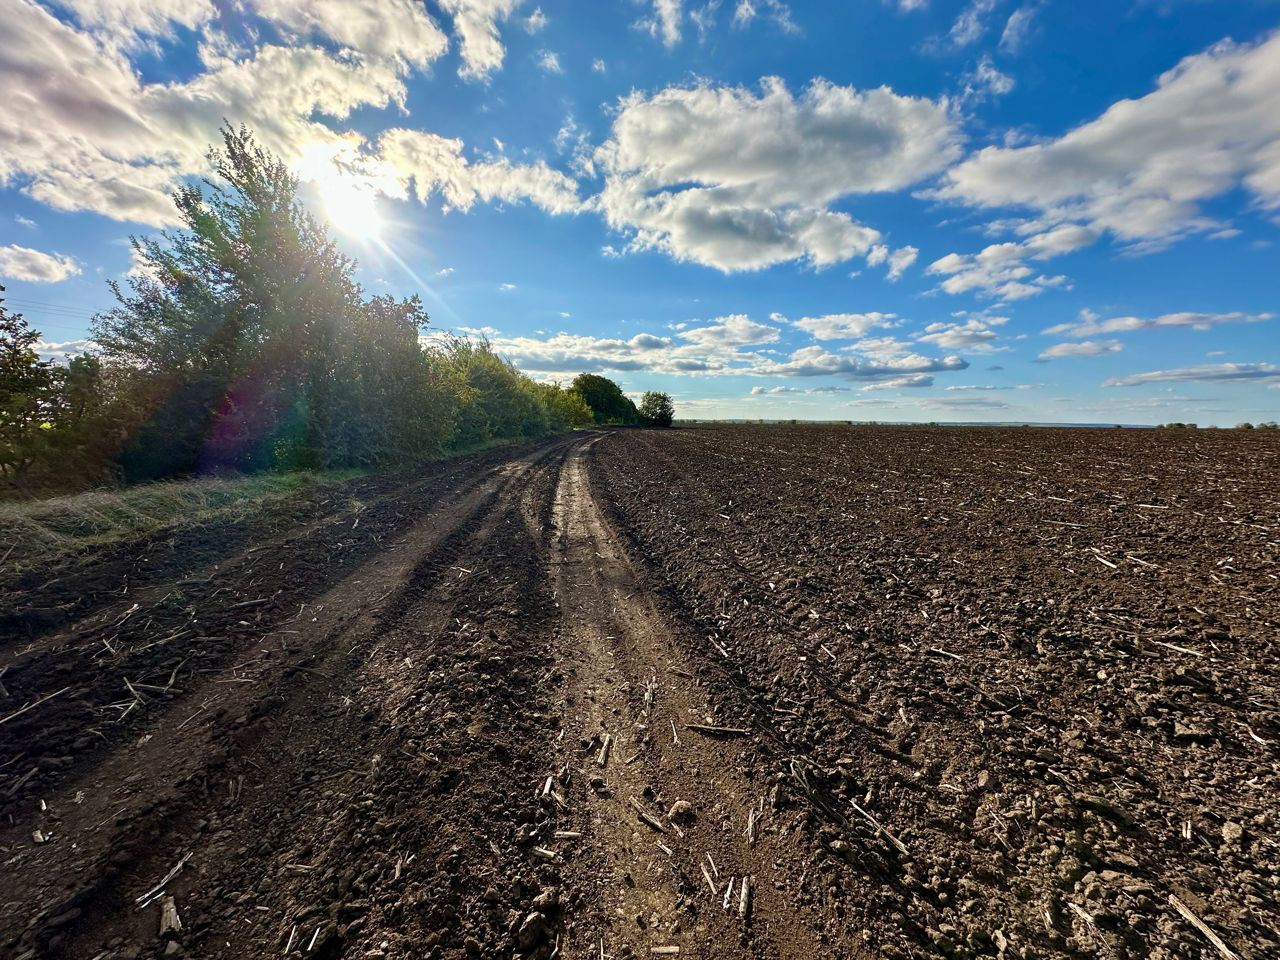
[{"x": 922, "y": 692}]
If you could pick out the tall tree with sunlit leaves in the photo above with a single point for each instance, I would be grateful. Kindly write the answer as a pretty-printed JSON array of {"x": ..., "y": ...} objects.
[{"x": 244, "y": 326}]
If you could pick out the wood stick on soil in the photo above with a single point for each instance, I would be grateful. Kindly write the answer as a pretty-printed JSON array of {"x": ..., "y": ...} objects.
[
  {"x": 1174, "y": 646},
  {"x": 728, "y": 894},
  {"x": 707, "y": 728},
  {"x": 744, "y": 898},
  {"x": 1191, "y": 918},
  {"x": 664, "y": 951},
  {"x": 714, "y": 868},
  {"x": 151, "y": 894},
  {"x": 169, "y": 919},
  {"x": 646, "y": 818},
  {"x": 1080, "y": 912},
  {"x": 32, "y": 706},
  {"x": 710, "y": 883},
  {"x": 604, "y": 750},
  {"x": 292, "y": 933},
  {"x": 902, "y": 847},
  {"x": 675, "y": 737}
]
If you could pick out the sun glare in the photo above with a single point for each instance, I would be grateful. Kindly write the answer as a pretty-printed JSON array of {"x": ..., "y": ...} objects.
[
  {"x": 351, "y": 208},
  {"x": 348, "y": 187}
]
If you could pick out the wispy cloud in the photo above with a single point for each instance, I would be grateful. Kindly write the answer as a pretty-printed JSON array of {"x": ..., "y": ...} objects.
[
  {"x": 1084, "y": 348},
  {"x": 1204, "y": 373}
]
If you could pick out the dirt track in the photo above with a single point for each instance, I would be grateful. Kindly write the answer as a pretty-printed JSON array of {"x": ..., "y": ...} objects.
[{"x": 475, "y": 716}]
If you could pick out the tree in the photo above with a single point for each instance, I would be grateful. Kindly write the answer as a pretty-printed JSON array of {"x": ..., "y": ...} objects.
[
  {"x": 605, "y": 398},
  {"x": 252, "y": 345},
  {"x": 27, "y": 398},
  {"x": 243, "y": 340},
  {"x": 656, "y": 409}
]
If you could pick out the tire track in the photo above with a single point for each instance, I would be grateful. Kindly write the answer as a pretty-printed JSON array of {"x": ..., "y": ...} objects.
[
  {"x": 670, "y": 821},
  {"x": 191, "y": 781}
]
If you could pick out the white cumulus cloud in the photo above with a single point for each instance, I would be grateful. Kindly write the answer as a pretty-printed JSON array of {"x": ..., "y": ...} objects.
[
  {"x": 435, "y": 163},
  {"x": 737, "y": 180},
  {"x": 1000, "y": 270},
  {"x": 665, "y": 21},
  {"x": 974, "y": 334},
  {"x": 1018, "y": 28},
  {"x": 972, "y": 22},
  {"x": 33, "y": 266},
  {"x": 844, "y": 326},
  {"x": 914, "y": 381},
  {"x": 778, "y": 12},
  {"x": 1144, "y": 168},
  {"x": 476, "y": 24},
  {"x": 384, "y": 28}
]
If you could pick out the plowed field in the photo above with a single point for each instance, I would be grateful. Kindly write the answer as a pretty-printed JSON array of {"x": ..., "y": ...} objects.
[{"x": 760, "y": 692}]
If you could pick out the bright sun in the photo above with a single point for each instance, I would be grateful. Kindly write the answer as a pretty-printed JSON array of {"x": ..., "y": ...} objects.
[{"x": 351, "y": 208}]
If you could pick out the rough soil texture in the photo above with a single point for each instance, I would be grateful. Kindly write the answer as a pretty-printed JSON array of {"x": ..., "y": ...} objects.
[
  {"x": 924, "y": 692},
  {"x": 1024, "y": 681}
]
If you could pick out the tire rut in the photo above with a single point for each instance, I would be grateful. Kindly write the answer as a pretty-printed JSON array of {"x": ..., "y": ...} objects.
[
  {"x": 671, "y": 820},
  {"x": 306, "y": 701}
]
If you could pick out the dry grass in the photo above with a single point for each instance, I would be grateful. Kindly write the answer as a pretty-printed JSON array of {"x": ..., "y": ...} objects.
[{"x": 42, "y": 531}]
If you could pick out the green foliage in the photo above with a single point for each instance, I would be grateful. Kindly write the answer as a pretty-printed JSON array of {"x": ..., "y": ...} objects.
[
  {"x": 492, "y": 399},
  {"x": 656, "y": 409},
  {"x": 606, "y": 400},
  {"x": 1244, "y": 426},
  {"x": 565, "y": 407},
  {"x": 250, "y": 345}
]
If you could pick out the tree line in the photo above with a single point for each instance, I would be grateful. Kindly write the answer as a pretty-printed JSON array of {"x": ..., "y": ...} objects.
[{"x": 242, "y": 341}]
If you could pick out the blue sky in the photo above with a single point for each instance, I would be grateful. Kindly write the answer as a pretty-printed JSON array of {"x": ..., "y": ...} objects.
[{"x": 998, "y": 210}]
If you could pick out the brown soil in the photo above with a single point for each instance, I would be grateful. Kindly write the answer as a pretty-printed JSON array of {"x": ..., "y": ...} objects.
[
  {"x": 930, "y": 692},
  {"x": 1043, "y": 661}
]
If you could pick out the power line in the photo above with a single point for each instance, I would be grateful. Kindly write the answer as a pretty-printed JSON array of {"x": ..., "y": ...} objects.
[{"x": 45, "y": 305}]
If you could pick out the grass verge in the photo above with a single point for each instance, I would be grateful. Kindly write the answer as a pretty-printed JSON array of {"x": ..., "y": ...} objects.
[{"x": 42, "y": 531}]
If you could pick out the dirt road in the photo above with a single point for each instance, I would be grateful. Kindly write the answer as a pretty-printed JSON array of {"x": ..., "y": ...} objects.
[
  {"x": 384, "y": 734},
  {"x": 748, "y": 693}
]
